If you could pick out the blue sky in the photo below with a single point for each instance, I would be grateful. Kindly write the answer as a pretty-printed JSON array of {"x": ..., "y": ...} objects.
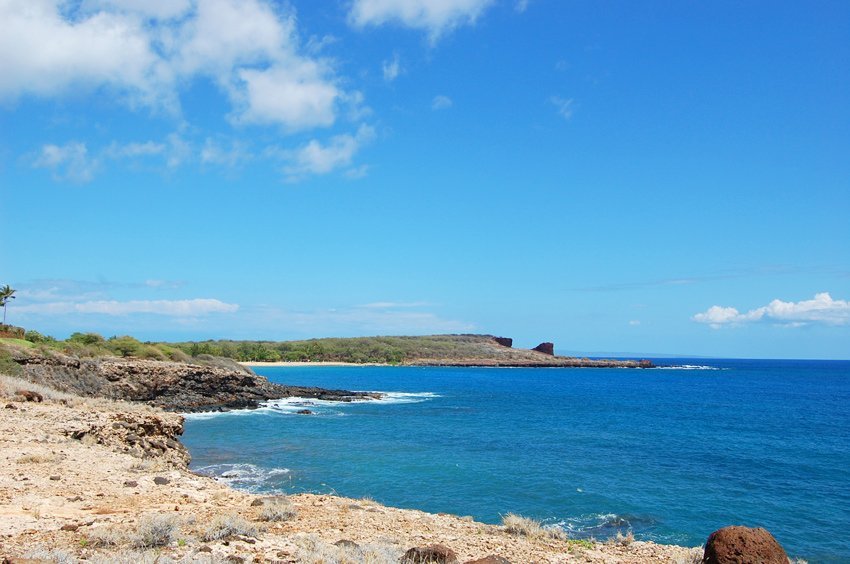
[{"x": 653, "y": 177}]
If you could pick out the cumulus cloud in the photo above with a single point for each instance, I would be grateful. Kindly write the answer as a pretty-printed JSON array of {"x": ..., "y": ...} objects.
[
  {"x": 436, "y": 18},
  {"x": 317, "y": 158},
  {"x": 134, "y": 150},
  {"x": 147, "y": 50},
  {"x": 391, "y": 68},
  {"x": 441, "y": 103},
  {"x": 68, "y": 162},
  {"x": 170, "y": 308},
  {"x": 821, "y": 309}
]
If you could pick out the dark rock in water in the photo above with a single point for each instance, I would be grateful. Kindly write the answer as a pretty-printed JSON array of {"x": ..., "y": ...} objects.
[
  {"x": 344, "y": 543},
  {"x": 743, "y": 545},
  {"x": 545, "y": 348},
  {"x": 646, "y": 364},
  {"x": 431, "y": 554},
  {"x": 304, "y": 412},
  {"x": 504, "y": 341},
  {"x": 492, "y": 559}
]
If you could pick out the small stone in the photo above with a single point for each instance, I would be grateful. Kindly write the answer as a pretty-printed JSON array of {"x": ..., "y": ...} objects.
[
  {"x": 55, "y": 478},
  {"x": 205, "y": 549},
  {"x": 431, "y": 554},
  {"x": 344, "y": 543},
  {"x": 75, "y": 498},
  {"x": 70, "y": 527},
  {"x": 160, "y": 481},
  {"x": 10, "y": 406},
  {"x": 257, "y": 502},
  {"x": 234, "y": 559},
  {"x": 492, "y": 559},
  {"x": 131, "y": 484}
]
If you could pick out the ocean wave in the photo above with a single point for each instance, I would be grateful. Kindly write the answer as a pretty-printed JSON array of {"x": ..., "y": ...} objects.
[
  {"x": 292, "y": 405},
  {"x": 602, "y": 525},
  {"x": 243, "y": 476},
  {"x": 405, "y": 397}
]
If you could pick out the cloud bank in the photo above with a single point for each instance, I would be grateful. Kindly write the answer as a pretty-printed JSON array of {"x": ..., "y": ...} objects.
[
  {"x": 171, "y": 308},
  {"x": 821, "y": 309},
  {"x": 147, "y": 51}
]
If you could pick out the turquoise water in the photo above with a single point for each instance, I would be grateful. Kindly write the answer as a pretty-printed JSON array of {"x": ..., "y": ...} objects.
[{"x": 671, "y": 454}]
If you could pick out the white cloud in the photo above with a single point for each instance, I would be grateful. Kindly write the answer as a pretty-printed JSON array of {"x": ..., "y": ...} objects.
[
  {"x": 170, "y": 308},
  {"x": 821, "y": 309},
  {"x": 435, "y": 16},
  {"x": 393, "y": 305},
  {"x": 564, "y": 106},
  {"x": 296, "y": 97},
  {"x": 148, "y": 50},
  {"x": 317, "y": 158},
  {"x": 391, "y": 68},
  {"x": 521, "y": 5},
  {"x": 634, "y": 322},
  {"x": 134, "y": 150},
  {"x": 68, "y": 162},
  {"x": 441, "y": 102},
  {"x": 213, "y": 152}
]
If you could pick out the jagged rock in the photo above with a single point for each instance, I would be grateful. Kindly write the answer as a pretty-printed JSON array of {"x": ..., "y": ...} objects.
[
  {"x": 504, "y": 341},
  {"x": 492, "y": 559},
  {"x": 10, "y": 406},
  {"x": 257, "y": 502},
  {"x": 743, "y": 545},
  {"x": 545, "y": 348},
  {"x": 172, "y": 386},
  {"x": 431, "y": 554}
]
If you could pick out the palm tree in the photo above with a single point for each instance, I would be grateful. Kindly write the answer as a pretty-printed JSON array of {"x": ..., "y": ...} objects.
[{"x": 6, "y": 294}]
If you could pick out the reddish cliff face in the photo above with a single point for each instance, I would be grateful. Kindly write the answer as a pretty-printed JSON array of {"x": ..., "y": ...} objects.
[
  {"x": 545, "y": 348},
  {"x": 504, "y": 341}
]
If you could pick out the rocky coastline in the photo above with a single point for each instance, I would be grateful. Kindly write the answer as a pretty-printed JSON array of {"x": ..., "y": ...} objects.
[
  {"x": 96, "y": 480},
  {"x": 171, "y": 386}
]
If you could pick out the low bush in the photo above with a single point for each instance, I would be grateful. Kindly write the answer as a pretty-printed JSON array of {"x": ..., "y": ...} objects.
[
  {"x": 223, "y": 526},
  {"x": 523, "y": 526},
  {"x": 277, "y": 509},
  {"x": 154, "y": 530}
]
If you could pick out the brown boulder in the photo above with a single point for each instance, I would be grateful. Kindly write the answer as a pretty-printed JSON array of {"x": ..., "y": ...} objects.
[
  {"x": 743, "y": 545},
  {"x": 30, "y": 396},
  {"x": 545, "y": 348},
  {"x": 432, "y": 554}
]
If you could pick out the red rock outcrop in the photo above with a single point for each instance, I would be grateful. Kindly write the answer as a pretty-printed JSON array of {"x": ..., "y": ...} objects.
[
  {"x": 743, "y": 545},
  {"x": 545, "y": 348}
]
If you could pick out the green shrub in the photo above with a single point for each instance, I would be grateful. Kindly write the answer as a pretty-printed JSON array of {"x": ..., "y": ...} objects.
[
  {"x": 38, "y": 338},
  {"x": 87, "y": 338},
  {"x": 125, "y": 346}
]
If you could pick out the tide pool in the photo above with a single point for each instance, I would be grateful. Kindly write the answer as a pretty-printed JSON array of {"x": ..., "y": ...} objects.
[{"x": 671, "y": 453}]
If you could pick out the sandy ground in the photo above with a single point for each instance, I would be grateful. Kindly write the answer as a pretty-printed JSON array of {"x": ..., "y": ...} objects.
[{"x": 65, "y": 499}]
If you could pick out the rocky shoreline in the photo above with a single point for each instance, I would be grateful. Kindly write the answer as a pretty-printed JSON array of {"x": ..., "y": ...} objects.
[
  {"x": 94, "y": 480},
  {"x": 172, "y": 386}
]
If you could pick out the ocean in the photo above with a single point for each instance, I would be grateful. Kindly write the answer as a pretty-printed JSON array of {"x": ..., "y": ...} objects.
[{"x": 671, "y": 453}]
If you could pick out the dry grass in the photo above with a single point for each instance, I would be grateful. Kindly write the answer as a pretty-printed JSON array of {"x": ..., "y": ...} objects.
[
  {"x": 38, "y": 459},
  {"x": 523, "y": 526},
  {"x": 223, "y": 526},
  {"x": 277, "y": 509},
  {"x": 312, "y": 550},
  {"x": 621, "y": 539},
  {"x": 154, "y": 530},
  {"x": 106, "y": 537},
  {"x": 51, "y": 555}
]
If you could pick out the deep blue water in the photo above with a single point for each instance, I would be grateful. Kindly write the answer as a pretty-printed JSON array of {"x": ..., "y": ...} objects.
[{"x": 672, "y": 454}]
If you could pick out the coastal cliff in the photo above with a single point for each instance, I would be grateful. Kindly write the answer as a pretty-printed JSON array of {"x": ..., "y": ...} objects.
[{"x": 173, "y": 386}]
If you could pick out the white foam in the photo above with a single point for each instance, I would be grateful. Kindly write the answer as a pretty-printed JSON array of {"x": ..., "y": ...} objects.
[
  {"x": 405, "y": 397},
  {"x": 242, "y": 476}
]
